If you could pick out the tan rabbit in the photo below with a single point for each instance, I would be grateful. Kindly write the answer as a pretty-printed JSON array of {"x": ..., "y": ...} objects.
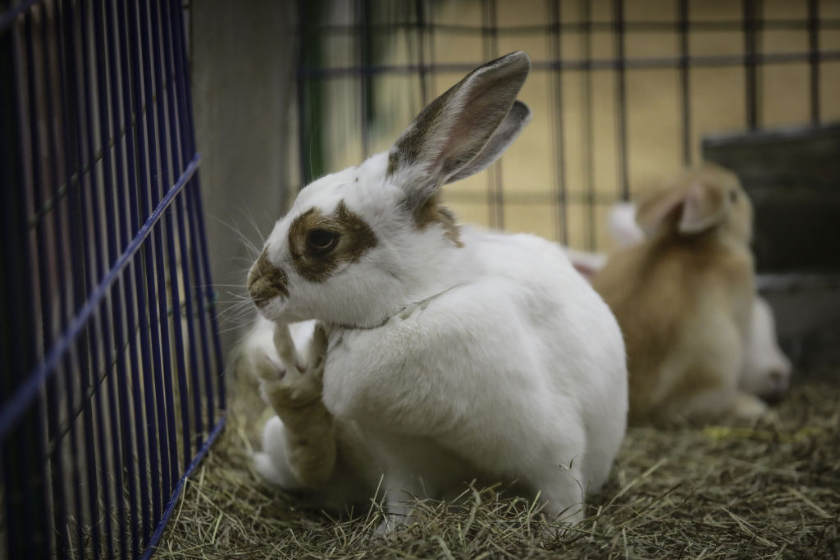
[{"x": 683, "y": 298}]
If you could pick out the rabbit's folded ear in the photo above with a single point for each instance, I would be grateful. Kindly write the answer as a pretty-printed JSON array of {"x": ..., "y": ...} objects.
[
  {"x": 704, "y": 207},
  {"x": 700, "y": 206},
  {"x": 464, "y": 130},
  {"x": 658, "y": 209}
]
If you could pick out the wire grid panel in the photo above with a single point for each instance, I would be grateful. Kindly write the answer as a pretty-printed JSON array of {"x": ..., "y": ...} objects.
[
  {"x": 622, "y": 91},
  {"x": 111, "y": 388}
]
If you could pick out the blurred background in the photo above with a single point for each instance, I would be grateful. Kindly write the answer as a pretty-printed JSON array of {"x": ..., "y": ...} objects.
[{"x": 624, "y": 94}]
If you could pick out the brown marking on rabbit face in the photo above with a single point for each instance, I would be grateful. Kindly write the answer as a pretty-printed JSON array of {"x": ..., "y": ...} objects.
[
  {"x": 319, "y": 243},
  {"x": 432, "y": 212},
  {"x": 266, "y": 281}
]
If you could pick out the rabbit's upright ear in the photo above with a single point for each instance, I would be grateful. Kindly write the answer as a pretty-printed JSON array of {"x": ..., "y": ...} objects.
[{"x": 464, "y": 130}]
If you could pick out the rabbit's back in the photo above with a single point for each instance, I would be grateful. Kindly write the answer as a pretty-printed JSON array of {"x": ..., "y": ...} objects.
[
  {"x": 683, "y": 304},
  {"x": 584, "y": 354},
  {"x": 507, "y": 365},
  {"x": 577, "y": 333}
]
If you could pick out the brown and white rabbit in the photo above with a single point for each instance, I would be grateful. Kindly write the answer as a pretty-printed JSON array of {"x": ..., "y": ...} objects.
[
  {"x": 683, "y": 297},
  {"x": 449, "y": 353}
]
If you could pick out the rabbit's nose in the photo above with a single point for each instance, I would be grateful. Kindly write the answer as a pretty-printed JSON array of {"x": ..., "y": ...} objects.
[{"x": 266, "y": 281}]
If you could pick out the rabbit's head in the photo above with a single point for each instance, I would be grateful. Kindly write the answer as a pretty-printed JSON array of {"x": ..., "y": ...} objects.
[
  {"x": 706, "y": 198},
  {"x": 360, "y": 244}
]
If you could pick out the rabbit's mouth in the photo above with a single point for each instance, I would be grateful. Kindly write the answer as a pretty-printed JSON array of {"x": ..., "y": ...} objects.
[{"x": 266, "y": 282}]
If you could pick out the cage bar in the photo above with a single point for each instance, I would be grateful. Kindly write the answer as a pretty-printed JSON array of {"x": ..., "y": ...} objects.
[
  {"x": 98, "y": 154},
  {"x": 814, "y": 58},
  {"x": 621, "y": 99},
  {"x": 578, "y": 184},
  {"x": 558, "y": 136},
  {"x": 685, "y": 80}
]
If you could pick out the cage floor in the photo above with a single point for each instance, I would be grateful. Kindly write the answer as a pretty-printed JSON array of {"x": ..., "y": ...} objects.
[{"x": 766, "y": 491}]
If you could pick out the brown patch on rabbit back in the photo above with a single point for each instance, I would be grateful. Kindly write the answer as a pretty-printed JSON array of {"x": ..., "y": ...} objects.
[
  {"x": 433, "y": 212},
  {"x": 355, "y": 238},
  {"x": 266, "y": 281}
]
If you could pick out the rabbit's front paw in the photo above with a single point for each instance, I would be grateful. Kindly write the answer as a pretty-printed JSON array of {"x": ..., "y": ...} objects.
[
  {"x": 290, "y": 388},
  {"x": 264, "y": 368},
  {"x": 276, "y": 384},
  {"x": 295, "y": 386}
]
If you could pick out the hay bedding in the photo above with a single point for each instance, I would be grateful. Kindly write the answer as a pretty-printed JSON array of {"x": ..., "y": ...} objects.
[{"x": 766, "y": 491}]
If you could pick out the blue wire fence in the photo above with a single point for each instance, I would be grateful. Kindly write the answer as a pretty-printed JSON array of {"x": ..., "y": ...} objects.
[{"x": 110, "y": 371}]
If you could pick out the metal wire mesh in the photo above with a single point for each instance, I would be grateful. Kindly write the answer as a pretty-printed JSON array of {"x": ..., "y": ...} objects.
[
  {"x": 111, "y": 388},
  {"x": 623, "y": 90}
]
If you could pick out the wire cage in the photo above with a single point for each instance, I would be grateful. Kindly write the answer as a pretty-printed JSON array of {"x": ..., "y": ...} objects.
[
  {"x": 111, "y": 388},
  {"x": 623, "y": 91},
  {"x": 111, "y": 385}
]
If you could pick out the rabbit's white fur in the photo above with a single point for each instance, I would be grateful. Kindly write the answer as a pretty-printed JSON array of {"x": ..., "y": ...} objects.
[
  {"x": 484, "y": 358},
  {"x": 766, "y": 371},
  {"x": 622, "y": 225}
]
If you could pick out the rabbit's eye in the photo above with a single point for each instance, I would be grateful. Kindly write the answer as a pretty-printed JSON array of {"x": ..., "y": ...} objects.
[
  {"x": 320, "y": 241},
  {"x": 733, "y": 196}
]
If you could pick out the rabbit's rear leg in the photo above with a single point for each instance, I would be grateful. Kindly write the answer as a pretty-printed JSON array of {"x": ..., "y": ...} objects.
[
  {"x": 400, "y": 494},
  {"x": 746, "y": 406},
  {"x": 563, "y": 494},
  {"x": 271, "y": 462},
  {"x": 307, "y": 429}
]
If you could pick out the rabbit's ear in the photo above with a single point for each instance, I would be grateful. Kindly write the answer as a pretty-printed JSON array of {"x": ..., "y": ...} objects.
[
  {"x": 704, "y": 207},
  {"x": 700, "y": 206},
  {"x": 455, "y": 128},
  {"x": 656, "y": 210},
  {"x": 508, "y": 131}
]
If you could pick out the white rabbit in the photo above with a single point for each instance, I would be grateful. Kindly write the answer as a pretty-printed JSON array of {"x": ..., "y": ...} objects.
[
  {"x": 766, "y": 370},
  {"x": 454, "y": 354}
]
